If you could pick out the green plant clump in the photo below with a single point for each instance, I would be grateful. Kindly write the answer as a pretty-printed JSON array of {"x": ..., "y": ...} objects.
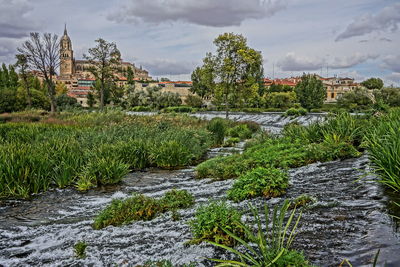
[
  {"x": 241, "y": 131},
  {"x": 295, "y": 112},
  {"x": 267, "y": 182},
  {"x": 141, "y": 207},
  {"x": 267, "y": 247},
  {"x": 211, "y": 220},
  {"x": 80, "y": 249},
  {"x": 164, "y": 263},
  {"x": 231, "y": 141}
]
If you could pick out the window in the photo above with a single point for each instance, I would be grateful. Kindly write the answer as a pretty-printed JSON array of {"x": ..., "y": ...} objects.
[{"x": 332, "y": 95}]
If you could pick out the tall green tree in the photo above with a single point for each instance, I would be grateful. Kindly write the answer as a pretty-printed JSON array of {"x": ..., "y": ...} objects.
[
  {"x": 103, "y": 58},
  {"x": 203, "y": 79},
  {"x": 310, "y": 92},
  {"x": 237, "y": 69},
  {"x": 373, "y": 83},
  {"x": 43, "y": 54}
]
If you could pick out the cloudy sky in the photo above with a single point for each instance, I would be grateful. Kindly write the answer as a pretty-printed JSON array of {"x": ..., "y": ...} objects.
[{"x": 356, "y": 38}]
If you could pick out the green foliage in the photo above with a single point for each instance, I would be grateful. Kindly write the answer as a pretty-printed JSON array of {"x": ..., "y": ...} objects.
[
  {"x": 241, "y": 131},
  {"x": 153, "y": 98},
  {"x": 141, "y": 207},
  {"x": 212, "y": 219},
  {"x": 64, "y": 102},
  {"x": 180, "y": 109},
  {"x": 194, "y": 101},
  {"x": 270, "y": 247},
  {"x": 310, "y": 92},
  {"x": 303, "y": 200},
  {"x": 280, "y": 100},
  {"x": 383, "y": 144},
  {"x": 102, "y": 171},
  {"x": 80, "y": 249},
  {"x": 231, "y": 141},
  {"x": 140, "y": 109},
  {"x": 203, "y": 80},
  {"x": 357, "y": 99},
  {"x": 217, "y": 127},
  {"x": 267, "y": 182},
  {"x": 280, "y": 88},
  {"x": 295, "y": 112},
  {"x": 389, "y": 96},
  {"x": 91, "y": 149},
  {"x": 373, "y": 83}
]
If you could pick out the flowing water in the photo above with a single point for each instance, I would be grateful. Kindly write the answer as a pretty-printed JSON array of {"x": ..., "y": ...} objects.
[{"x": 349, "y": 220}]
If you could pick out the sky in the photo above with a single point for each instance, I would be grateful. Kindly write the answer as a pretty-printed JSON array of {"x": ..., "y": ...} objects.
[{"x": 169, "y": 38}]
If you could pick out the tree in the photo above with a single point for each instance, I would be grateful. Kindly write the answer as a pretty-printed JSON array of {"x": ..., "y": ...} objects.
[
  {"x": 310, "y": 92},
  {"x": 194, "y": 101},
  {"x": 203, "y": 80},
  {"x": 130, "y": 76},
  {"x": 237, "y": 70},
  {"x": 22, "y": 64},
  {"x": 42, "y": 54},
  {"x": 90, "y": 100},
  {"x": 373, "y": 83},
  {"x": 388, "y": 95},
  {"x": 356, "y": 99},
  {"x": 103, "y": 58}
]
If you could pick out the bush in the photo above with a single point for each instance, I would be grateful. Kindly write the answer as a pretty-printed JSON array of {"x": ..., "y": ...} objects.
[
  {"x": 231, "y": 141},
  {"x": 357, "y": 99},
  {"x": 241, "y": 131},
  {"x": 267, "y": 182},
  {"x": 294, "y": 112},
  {"x": 302, "y": 201},
  {"x": 141, "y": 207},
  {"x": 141, "y": 109},
  {"x": 280, "y": 100},
  {"x": 212, "y": 219},
  {"x": 194, "y": 101},
  {"x": 170, "y": 154},
  {"x": 217, "y": 127},
  {"x": 180, "y": 109},
  {"x": 80, "y": 249}
]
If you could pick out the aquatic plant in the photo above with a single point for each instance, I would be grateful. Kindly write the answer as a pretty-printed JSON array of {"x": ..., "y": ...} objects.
[
  {"x": 211, "y": 219},
  {"x": 80, "y": 249},
  {"x": 217, "y": 127},
  {"x": 270, "y": 245},
  {"x": 295, "y": 112},
  {"x": 267, "y": 182},
  {"x": 241, "y": 131},
  {"x": 141, "y": 207},
  {"x": 231, "y": 141},
  {"x": 164, "y": 263},
  {"x": 383, "y": 144},
  {"x": 302, "y": 201}
]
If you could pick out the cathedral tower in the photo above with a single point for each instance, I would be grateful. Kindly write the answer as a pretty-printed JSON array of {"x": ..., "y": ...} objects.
[{"x": 66, "y": 55}]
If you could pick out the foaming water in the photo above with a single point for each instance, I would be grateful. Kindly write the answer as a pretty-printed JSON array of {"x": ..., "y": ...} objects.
[{"x": 349, "y": 220}]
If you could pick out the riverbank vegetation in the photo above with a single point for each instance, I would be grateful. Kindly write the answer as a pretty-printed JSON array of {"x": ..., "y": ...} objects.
[
  {"x": 141, "y": 207},
  {"x": 91, "y": 149}
]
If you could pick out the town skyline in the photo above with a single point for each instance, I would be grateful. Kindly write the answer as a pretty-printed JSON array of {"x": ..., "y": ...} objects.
[{"x": 359, "y": 42}]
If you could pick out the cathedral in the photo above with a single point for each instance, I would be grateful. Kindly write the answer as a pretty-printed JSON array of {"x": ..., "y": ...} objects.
[{"x": 72, "y": 71}]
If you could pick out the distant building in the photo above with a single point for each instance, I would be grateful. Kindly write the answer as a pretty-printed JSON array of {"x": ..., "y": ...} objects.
[
  {"x": 336, "y": 87},
  {"x": 78, "y": 79}
]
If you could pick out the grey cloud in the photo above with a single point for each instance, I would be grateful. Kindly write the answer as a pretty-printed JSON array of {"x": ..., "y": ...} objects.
[
  {"x": 392, "y": 62},
  {"x": 8, "y": 49},
  {"x": 394, "y": 77},
  {"x": 168, "y": 67},
  {"x": 350, "y": 61},
  {"x": 386, "y": 20},
  {"x": 216, "y": 13},
  {"x": 383, "y": 39},
  {"x": 292, "y": 62},
  {"x": 13, "y": 19}
]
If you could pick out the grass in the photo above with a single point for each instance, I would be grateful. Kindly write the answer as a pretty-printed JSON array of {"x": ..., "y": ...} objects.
[
  {"x": 80, "y": 249},
  {"x": 383, "y": 144},
  {"x": 141, "y": 207},
  {"x": 267, "y": 182},
  {"x": 211, "y": 220},
  {"x": 90, "y": 149},
  {"x": 270, "y": 243}
]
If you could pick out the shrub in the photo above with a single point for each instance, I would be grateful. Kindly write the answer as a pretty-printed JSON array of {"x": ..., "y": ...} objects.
[
  {"x": 280, "y": 100},
  {"x": 194, "y": 101},
  {"x": 177, "y": 199},
  {"x": 217, "y": 127},
  {"x": 267, "y": 182},
  {"x": 294, "y": 112},
  {"x": 170, "y": 154},
  {"x": 270, "y": 246},
  {"x": 141, "y": 109},
  {"x": 137, "y": 207},
  {"x": 80, "y": 249},
  {"x": 211, "y": 219},
  {"x": 241, "y": 131},
  {"x": 231, "y": 141},
  {"x": 141, "y": 207},
  {"x": 181, "y": 109},
  {"x": 357, "y": 99}
]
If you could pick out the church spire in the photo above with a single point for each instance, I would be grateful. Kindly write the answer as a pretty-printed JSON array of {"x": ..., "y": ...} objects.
[{"x": 65, "y": 29}]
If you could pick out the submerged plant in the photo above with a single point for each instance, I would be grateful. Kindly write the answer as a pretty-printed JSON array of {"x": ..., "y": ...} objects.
[
  {"x": 80, "y": 249},
  {"x": 270, "y": 245},
  {"x": 302, "y": 201}
]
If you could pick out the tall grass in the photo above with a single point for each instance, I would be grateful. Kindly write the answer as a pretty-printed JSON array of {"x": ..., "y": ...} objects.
[
  {"x": 383, "y": 144},
  {"x": 90, "y": 149}
]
